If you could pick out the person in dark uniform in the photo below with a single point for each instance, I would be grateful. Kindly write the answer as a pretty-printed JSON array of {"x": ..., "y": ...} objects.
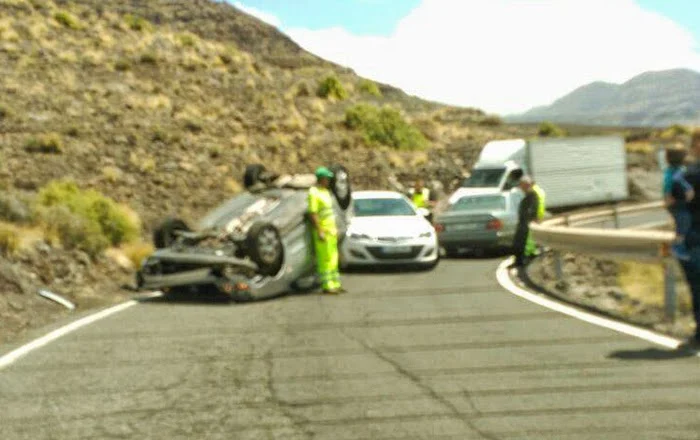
[
  {"x": 691, "y": 266},
  {"x": 527, "y": 213}
]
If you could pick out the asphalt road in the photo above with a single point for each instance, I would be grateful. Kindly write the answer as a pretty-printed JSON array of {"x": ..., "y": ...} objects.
[{"x": 446, "y": 354}]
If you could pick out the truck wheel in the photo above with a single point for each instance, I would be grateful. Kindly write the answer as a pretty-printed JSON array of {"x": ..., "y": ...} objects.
[
  {"x": 340, "y": 185},
  {"x": 164, "y": 236},
  {"x": 265, "y": 248}
]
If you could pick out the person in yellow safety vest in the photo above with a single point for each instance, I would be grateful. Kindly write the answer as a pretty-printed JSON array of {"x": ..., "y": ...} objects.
[
  {"x": 325, "y": 232},
  {"x": 531, "y": 246},
  {"x": 420, "y": 195}
]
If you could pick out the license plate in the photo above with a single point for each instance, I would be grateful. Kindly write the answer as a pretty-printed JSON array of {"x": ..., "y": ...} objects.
[
  {"x": 464, "y": 227},
  {"x": 396, "y": 249}
]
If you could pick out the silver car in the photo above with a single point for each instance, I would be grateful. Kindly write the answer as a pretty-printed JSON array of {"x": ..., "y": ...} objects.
[{"x": 478, "y": 219}]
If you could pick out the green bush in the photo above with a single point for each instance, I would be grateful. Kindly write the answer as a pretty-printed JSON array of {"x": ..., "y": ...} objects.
[
  {"x": 550, "y": 129},
  {"x": 188, "y": 39},
  {"x": 67, "y": 20},
  {"x": 331, "y": 87},
  {"x": 72, "y": 230},
  {"x": 13, "y": 208},
  {"x": 384, "y": 126},
  {"x": 122, "y": 65},
  {"x": 159, "y": 135},
  {"x": 136, "y": 23},
  {"x": 9, "y": 239},
  {"x": 72, "y": 131},
  {"x": 193, "y": 125},
  {"x": 149, "y": 58},
  {"x": 370, "y": 88},
  {"x": 675, "y": 130},
  {"x": 491, "y": 121},
  {"x": 99, "y": 219},
  {"x": 5, "y": 112},
  {"x": 48, "y": 143}
]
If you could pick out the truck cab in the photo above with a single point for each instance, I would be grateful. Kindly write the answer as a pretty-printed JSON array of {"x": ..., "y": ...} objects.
[
  {"x": 500, "y": 165},
  {"x": 504, "y": 177}
]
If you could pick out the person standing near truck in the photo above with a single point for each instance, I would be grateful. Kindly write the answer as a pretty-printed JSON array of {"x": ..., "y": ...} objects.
[
  {"x": 422, "y": 197},
  {"x": 531, "y": 246},
  {"x": 325, "y": 232},
  {"x": 527, "y": 213}
]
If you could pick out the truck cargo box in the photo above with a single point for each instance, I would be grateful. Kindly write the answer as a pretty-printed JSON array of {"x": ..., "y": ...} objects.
[{"x": 579, "y": 171}]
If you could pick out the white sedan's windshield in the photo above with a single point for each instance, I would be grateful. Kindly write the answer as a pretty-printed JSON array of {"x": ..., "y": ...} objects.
[{"x": 382, "y": 207}]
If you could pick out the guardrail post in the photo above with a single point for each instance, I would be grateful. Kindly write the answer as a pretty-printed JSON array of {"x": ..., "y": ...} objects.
[
  {"x": 616, "y": 216},
  {"x": 558, "y": 265},
  {"x": 670, "y": 297}
]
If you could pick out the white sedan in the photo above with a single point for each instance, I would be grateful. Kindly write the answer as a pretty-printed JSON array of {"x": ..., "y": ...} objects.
[{"x": 386, "y": 229}]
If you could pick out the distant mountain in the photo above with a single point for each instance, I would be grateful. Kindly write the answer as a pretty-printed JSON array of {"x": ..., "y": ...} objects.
[{"x": 650, "y": 99}]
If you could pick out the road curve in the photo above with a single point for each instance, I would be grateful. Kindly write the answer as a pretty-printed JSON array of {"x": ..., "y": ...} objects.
[{"x": 446, "y": 354}]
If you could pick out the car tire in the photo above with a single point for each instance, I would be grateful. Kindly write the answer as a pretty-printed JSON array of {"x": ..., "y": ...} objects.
[
  {"x": 164, "y": 236},
  {"x": 340, "y": 186},
  {"x": 253, "y": 175},
  {"x": 432, "y": 265},
  {"x": 265, "y": 248}
]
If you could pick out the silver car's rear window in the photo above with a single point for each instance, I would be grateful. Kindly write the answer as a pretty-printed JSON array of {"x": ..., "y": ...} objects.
[{"x": 480, "y": 203}]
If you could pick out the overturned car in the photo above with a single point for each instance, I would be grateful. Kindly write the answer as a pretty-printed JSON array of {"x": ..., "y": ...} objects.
[{"x": 256, "y": 245}]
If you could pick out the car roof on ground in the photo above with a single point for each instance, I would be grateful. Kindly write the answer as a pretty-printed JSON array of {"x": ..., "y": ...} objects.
[{"x": 358, "y": 195}]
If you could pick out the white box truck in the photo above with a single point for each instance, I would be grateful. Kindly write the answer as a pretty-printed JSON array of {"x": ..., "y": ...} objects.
[{"x": 572, "y": 171}]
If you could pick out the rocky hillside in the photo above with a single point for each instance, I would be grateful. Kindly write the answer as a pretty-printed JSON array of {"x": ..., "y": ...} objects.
[
  {"x": 650, "y": 99},
  {"x": 160, "y": 105}
]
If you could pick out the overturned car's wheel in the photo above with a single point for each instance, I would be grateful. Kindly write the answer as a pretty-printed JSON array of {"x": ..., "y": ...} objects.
[
  {"x": 340, "y": 185},
  {"x": 165, "y": 235},
  {"x": 253, "y": 174},
  {"x": 265, "y": 248},
  {"x": 257, "y": 173}
]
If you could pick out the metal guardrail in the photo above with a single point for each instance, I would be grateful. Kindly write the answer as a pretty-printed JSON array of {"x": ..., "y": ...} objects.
[{"x": 566, "y": 233}]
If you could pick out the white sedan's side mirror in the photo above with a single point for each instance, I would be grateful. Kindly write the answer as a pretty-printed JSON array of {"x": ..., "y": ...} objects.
[{"x": 424, "y": 212}]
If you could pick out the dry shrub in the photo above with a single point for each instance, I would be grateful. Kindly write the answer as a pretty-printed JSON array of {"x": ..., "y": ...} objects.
[
  {"x": 85, "y": 219},
  {"x": 51, "y": 143},
  {"x": 68, "y": 20},
  {"x": 639, "y": 147},
  {"x": 331, "y": 87},
  {"x": 10, "y": 238},
  {"x": 137, "y": 252}
]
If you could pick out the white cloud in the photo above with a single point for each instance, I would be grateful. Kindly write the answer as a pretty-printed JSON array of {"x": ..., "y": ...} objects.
[
  {"x": 508, "y": 55},
  {"x": 257, "y": 13}
]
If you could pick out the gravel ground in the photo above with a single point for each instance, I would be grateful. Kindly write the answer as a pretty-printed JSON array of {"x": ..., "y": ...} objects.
[{"x": 594, "y": 284}]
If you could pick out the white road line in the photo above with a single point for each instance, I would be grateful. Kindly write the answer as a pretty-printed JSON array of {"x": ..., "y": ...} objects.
[
  {"x": 12, "y": 356},
  {"x": 638, "y": 332}
]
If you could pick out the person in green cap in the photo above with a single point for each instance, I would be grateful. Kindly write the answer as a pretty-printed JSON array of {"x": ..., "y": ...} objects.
[{"x": 325, "y": 231}]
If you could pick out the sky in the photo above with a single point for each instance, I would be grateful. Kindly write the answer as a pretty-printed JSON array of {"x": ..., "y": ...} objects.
[{"x": 503, "y": 56}]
